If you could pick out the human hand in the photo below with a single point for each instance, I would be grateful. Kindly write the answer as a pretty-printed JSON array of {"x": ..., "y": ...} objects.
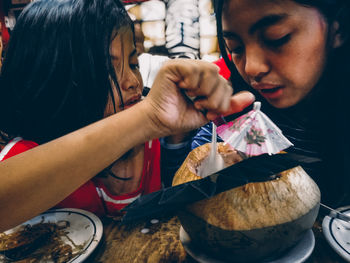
[{"x": 171, "y": 112}]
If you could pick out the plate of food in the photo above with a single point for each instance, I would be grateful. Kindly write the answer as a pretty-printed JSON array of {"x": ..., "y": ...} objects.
[{"x": 59, "y": 235}]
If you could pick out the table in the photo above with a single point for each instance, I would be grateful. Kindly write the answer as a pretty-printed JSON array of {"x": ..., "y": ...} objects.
[{"x": 157, "y": 242}]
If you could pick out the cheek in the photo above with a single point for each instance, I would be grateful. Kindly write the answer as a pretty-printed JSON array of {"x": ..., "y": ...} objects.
[
  {"x": 139, "y": 78},
  {"x": 240, "y": 66},
  {"x": 304, "y": 65}
]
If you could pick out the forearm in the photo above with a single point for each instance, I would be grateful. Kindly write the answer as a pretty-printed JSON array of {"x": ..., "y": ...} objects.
[{"x": 38, "y": 179}]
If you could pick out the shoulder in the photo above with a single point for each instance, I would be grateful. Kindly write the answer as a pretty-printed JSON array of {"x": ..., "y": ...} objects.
[{"x": 16, "y": 146}]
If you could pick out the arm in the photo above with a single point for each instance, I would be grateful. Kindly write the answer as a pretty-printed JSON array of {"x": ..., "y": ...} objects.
[{"x": 34, "y": 181}]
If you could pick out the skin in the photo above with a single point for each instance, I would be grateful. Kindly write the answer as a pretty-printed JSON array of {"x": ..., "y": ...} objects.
[{"x": 282, "y": 58}]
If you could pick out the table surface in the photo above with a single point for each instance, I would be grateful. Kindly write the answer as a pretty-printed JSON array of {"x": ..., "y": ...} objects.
[{"x": 156, "y": 242}]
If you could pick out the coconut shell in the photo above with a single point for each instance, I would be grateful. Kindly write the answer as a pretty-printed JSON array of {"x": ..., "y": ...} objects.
[{"x": 253, "y": 221}]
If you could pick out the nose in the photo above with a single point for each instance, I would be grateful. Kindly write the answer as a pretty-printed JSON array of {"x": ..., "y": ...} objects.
[
  {"x": 130, "y": 80},
  {"x": 256, "y": 64}
]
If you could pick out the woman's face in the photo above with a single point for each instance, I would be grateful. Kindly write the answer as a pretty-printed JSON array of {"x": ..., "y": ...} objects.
[
  {"x": 278, "y": 46},
  {"x": 124, "y": 59}
]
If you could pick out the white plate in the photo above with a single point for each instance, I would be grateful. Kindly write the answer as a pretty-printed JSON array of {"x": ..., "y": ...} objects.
[
  {"x": 84, "y": 228},
  {"x": 297, "y": 254},
  {"x": 337, "y": 233}
]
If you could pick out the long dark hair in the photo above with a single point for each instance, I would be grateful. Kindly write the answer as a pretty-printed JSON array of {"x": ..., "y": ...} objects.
[
  {"x": 57, "y": 71},
  {"x": 328, "y": 120}
]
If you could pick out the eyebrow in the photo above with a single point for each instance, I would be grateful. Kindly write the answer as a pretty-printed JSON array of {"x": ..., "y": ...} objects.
[
  {"x": 260, "y": 24},
  {"x": 267, "y": 21}
]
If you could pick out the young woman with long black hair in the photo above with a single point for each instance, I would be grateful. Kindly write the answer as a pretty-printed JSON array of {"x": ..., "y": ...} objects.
[{"x": 294, "y": 55}]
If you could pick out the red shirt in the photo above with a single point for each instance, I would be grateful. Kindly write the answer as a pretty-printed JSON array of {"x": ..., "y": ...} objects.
[
  {"x": 5, "y": 33},
  {"x": 93, "y": 196},
  {"x": 224, "y": 71}
]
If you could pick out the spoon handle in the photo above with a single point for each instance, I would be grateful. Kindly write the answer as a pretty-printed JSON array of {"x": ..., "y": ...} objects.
[{"x": 213, "y": 148}]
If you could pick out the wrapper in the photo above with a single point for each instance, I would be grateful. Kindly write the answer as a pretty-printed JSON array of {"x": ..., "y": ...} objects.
[{"x": 254, "y": 134}]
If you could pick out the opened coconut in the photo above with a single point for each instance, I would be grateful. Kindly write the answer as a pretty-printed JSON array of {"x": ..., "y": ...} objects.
[{"x": 251, "y": 222}]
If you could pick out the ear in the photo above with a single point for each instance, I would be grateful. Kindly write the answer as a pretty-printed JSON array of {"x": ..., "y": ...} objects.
[{"x": 338, "y": 36}]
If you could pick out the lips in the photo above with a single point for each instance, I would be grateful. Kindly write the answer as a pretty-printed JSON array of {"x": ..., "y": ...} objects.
[
  {"x": 132, "y": 101},
  {"x": 269, "y": 91}
]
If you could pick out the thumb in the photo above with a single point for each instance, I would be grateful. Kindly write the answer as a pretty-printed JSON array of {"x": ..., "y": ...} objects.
[{"x": 238, "y": 103}]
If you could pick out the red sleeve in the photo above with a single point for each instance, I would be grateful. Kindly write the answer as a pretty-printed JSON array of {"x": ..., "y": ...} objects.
[
  {"x": 152, "y": 181},
  {"x": 5, "y": 33},
  {"x": 18, "y": 147},
  {"x": 224, "y": 71},
  {"x": 85, "y": 197}
]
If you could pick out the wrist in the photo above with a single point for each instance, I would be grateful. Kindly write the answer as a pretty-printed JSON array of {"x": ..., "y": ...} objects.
[{"x": 149, "y": 125}]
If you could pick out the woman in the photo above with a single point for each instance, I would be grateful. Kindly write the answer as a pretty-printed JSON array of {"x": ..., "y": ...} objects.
[
  {"x": 294, "y": 55},
  {"x": 70, "y": 64}
]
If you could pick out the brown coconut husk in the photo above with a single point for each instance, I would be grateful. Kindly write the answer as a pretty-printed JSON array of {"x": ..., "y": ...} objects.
[{"x": 253, "y": 221}]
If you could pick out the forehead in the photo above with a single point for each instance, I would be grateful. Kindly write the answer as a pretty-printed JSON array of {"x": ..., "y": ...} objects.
[
  {"x": 123, "y": 42},
  {"x": 238, "y": 11},
  {"x": 262, "y": 5}
]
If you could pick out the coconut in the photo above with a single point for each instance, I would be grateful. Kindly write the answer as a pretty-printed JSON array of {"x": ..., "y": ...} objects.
[{"x": 251, "y": 222}]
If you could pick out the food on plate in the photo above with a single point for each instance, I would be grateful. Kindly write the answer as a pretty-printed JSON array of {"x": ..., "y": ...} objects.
[
  {"x": 251, "y": 222},
  {"x": 40, "y": 242}
]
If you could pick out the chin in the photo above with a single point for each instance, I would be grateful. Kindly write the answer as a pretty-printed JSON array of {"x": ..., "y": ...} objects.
[{"x": 282, "y": 104}]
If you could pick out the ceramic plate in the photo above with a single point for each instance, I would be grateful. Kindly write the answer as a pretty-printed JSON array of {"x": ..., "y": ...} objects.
[
  {"x": 299, "y": 253},
  {"x": 337, "y": 233},
  {"x": 84, "y": 229}
]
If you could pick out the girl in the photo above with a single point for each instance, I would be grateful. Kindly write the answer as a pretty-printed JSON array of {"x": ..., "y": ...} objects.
[
  {"x": 294, "y": 55},
  {"x": 72, "y": 63}
]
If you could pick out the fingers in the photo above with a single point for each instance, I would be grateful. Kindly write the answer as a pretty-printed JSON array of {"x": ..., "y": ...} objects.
[
  {"x": 218, "y": 94},
  {"x": 238, "y": 102},
  {"x": 201, "y": 80},
  {"x": 212, "y": 92}
]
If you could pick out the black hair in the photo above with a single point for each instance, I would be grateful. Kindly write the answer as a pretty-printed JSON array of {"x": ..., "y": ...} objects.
[{"x": 57, "y": 72}]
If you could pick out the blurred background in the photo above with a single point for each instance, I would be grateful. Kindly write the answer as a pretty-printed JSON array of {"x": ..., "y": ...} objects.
[{"x": 175, "y": 28}]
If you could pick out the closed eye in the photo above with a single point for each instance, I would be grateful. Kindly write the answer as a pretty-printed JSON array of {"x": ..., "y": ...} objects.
[
  {"x": 276, "y": 43},
  {"x": 236, "y": 50}
]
